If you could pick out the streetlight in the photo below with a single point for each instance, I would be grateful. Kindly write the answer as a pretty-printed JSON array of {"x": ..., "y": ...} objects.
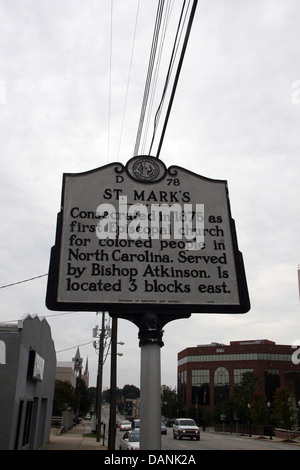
[
  {"x": 270, "y": 419},
  {"x": 249, "y": 417}
]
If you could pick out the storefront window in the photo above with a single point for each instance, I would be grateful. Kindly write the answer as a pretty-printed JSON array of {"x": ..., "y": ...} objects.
[
  {"x": 272, "y": 382},
  {"x": 238, "y": 375},
  {"x": 221, "y": 384},
  {"x": 200, "y": 387}
]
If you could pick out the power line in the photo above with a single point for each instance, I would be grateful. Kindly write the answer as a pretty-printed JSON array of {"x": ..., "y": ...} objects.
[
  {"x": 158, "y": 62},
  {"x": 149, "y": 73},
  {"x": 129, "y": 73},
  {"x": 25, "y": 280},
  {"x": 189, "y": 27},
  {"x": 110, "y": 73},
  {"x": 162, "y": 19},
  {"x": 73, "y": 347},
  {"x": 169, "y": 73},
  {"x": 46, "y": 316}
]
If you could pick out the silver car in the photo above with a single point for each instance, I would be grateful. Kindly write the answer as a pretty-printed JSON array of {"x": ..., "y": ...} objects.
[
  {"x": 125, "y": 426},
  {"x": 130, "y": 440}
]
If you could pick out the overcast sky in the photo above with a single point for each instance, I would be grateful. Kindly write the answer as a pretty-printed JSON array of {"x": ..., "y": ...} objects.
[{"x": 236, "y": 117}]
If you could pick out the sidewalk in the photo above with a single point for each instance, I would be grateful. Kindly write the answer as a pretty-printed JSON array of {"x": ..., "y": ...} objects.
[{"x": 75, "y": 439}]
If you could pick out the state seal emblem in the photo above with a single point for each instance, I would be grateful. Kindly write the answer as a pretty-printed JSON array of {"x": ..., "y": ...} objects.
[{"x": 146, "y": 169}]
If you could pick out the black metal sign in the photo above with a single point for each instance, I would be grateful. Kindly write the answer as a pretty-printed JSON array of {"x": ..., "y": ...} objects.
[{"x": 142, "y": 236}]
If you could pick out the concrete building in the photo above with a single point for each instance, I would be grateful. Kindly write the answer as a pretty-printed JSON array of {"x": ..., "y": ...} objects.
[
  {"x": 27, "y": 379},
  {"x": 208, "y": 373},
  {"x": 68, "y": 371},
  {"x": 65, "y": 372}
]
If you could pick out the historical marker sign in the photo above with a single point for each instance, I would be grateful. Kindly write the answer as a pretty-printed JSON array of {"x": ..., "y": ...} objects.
[{"x": 141, "y": 235}]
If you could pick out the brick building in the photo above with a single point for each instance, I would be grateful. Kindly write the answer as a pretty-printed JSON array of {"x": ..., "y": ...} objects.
[{"x": 208, "y": 373}]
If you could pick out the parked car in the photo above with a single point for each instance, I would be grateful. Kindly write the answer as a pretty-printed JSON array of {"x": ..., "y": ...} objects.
[
  {"x": 125, "y": 426},
  {"x": 163, "y": 429},
  {"x": 135, "y": 424},
  {"x": 130, "y": 441},
  {"x": 169, "y": 422},
  {"x": 186, "y": 427}
]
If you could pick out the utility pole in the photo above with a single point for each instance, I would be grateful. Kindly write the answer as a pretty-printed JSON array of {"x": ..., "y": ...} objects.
[
  {"x": 113, "y": 386},
  {"x": 99, "y": 377}
]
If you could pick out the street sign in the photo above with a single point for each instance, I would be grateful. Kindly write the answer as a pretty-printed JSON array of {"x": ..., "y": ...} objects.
[{"x": 146, "y": 236}]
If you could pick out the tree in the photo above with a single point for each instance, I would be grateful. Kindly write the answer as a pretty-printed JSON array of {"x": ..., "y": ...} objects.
[
  {"x": 83, "y": 396},
  {"x": 284, "y": 413},
  {"x": 106, "y": 394},
  {"x": 171, "y": 404},
  {"x": 243, "y": 395},
  {"x": 131, "y": 392},
  {"x": 260, "y": 412},
  {"x": 92, "y": 393},
  {"x": 248, "y": 386},
  {"x": 64, "y": 397}
]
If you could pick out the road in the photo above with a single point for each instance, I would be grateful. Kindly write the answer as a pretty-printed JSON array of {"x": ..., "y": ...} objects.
[
  {"x": 213, "y": 441},
  {"x": 216, "y": 441}
]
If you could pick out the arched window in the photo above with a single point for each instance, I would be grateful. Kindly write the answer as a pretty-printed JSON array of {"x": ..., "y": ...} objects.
[
  {"x": 2, "y": 353},
  {"x": 221, "y": 384}
]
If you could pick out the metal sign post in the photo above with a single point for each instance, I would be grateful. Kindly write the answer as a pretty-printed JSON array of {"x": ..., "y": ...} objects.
[
  {"x": 150, "y": 396},
  {"x": 150, "y": 407},
  {"x": 150, "y": 334},
  {"x": 150, "y": 325}
]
